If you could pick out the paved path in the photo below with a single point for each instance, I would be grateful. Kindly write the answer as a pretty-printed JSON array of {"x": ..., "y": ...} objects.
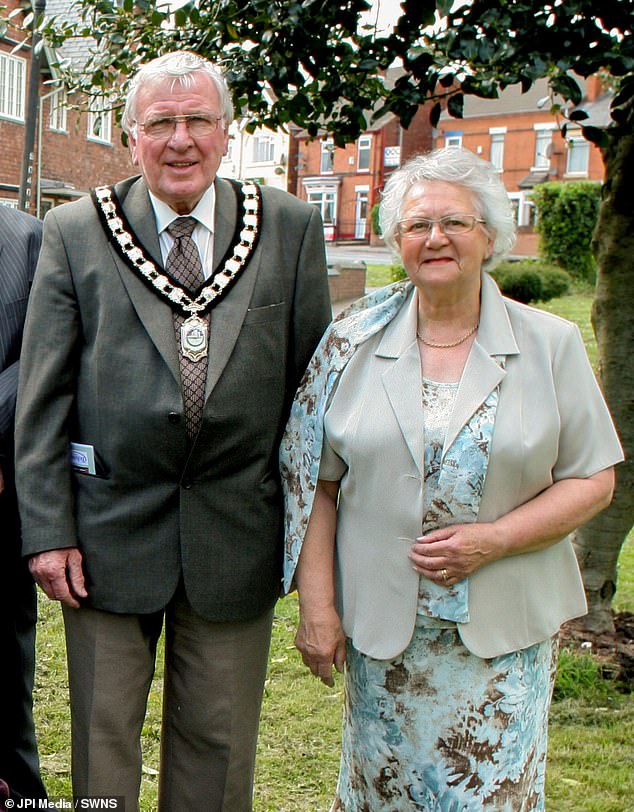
[{"x": 370, "y": 254}]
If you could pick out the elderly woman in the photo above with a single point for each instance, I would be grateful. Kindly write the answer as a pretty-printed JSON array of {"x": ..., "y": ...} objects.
[{"x": 444, "y": 443}]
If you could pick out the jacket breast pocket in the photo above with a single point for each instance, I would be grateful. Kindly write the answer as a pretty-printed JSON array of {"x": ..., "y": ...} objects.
[{"x": 267, "y": 313}]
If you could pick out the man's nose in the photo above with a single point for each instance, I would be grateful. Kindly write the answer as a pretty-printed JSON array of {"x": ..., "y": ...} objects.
[{"x": 181, "y": 134}]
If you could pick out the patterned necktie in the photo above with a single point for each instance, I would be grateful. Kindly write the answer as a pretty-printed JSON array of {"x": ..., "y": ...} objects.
[{"x": 183, "y": 263}]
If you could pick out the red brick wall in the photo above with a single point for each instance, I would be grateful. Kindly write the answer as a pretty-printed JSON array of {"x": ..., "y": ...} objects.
[
  {"x": 519, "y": 145},
  {"x": 92, "y": 163},
  {"x": 68, "y": 157}
]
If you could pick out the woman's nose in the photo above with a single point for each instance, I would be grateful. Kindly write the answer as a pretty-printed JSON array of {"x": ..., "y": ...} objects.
[{"x": 436, "y": 234}]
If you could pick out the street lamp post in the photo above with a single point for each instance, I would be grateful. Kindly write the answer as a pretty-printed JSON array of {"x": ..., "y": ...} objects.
[
  {"x": 26, "y": 176},
  {"x": 38, "y": 197}
]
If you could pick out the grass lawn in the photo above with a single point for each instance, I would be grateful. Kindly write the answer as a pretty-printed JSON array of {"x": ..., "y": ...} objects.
[{"x": 591, "y": 759}]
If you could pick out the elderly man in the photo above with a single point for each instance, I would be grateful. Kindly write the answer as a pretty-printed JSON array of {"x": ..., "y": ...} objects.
[{"x": 172, "y": 318}]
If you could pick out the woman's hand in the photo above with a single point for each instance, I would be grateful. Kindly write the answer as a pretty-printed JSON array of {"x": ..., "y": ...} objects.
[
  {"x": 322, "y": 643},
  {"x": 453, "y": 553}
]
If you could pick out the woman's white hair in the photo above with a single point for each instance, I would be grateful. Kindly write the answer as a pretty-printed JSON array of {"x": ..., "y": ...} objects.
[
  {"x": 181, "y": 67},
  {"x": 465, "y": 169}
]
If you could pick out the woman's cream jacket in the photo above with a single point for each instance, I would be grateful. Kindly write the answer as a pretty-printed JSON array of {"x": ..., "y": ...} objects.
[{"x": 551, "y": 424}]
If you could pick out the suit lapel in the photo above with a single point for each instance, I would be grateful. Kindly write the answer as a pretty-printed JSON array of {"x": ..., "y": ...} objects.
[
  {"x": 479, "y": 378},
  {"x": 228, "y": 316},
  {"x": 155, "y": 315},
  {"x": 484, "y": 369},
  {"x": 402, "y": 379}
]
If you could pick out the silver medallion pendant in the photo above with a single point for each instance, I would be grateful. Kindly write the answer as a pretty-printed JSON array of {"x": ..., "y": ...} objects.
[{"x": 194, "y": 338}]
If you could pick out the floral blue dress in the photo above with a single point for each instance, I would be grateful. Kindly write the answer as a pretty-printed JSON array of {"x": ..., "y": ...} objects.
[{"x": 439, "y": 729}]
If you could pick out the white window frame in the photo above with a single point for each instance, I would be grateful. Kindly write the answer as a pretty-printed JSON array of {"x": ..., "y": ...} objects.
[
  {"x": 57, "y": 111},
  {"x": 9, "y": 202},
  {"x": 582, "y": 147},
  {"x": 12, "y": 87},
  {"x": 364, "y": 153},
  {"x": 327, "y": 161},
  {"x": 453, "y": 139},
  {"x": 326, "y": 201},
  {"x": 496, "y": 152},
  {"x": 324, "y": 195},
  {"x": 263, "y": 149},
  {"x": 543, "y": 139},
  {"x": 100, "y": 122},
  {"x": 524, "y": 207}
]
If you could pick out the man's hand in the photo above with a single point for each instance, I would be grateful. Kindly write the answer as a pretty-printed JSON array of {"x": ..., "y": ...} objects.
[{"x": 60, "y": 575}]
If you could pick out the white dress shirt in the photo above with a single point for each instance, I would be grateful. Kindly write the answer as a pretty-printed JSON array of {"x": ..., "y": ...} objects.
[{"x": 203, "y": 234}]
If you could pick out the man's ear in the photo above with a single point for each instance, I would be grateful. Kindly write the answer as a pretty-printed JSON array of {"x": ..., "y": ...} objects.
[{"x": 133, "y": 149}]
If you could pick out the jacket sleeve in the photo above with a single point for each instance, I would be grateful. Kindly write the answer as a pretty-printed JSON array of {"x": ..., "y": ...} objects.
[
  {"x": 45, "y": 400},
  {"x": 311, "y": 302},
  {"x": 588, "y": 441}
]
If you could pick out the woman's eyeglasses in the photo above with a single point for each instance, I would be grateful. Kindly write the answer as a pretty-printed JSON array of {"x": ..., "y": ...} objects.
[{"x": 450, "y": 224}]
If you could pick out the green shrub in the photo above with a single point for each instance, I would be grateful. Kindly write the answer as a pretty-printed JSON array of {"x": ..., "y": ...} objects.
[
  {"x": 374, "y": 219},
  {"x": 555, "y": 282},
  {"x": 566, "y": 220},
  {"x": 397, "y": 272},
  {"x": 525, "y": 281},
  {"x": 531, "y": 281}
]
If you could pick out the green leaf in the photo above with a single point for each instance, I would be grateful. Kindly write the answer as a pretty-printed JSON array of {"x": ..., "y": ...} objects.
[
  {"x": 455, "y": 105},
  {"x": 578, "y": 115},
  {"x": 596, "y": 136}
]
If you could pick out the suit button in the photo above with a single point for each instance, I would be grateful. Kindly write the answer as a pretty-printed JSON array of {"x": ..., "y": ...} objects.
[
  {"x": 186, "y": 483},
  {"x": 174, "y": 418}
]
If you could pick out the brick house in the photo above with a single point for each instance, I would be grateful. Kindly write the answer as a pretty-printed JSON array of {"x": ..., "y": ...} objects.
[
  {"x": 73, "y": 151},
  {"x": 522, "y": 139},
  {"x": 345, "y": 182},
  {"x": 516, "y": 132}
]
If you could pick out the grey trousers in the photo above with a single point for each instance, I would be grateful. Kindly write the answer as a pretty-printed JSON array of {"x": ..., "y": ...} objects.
[{"x": 213, "y": 684}]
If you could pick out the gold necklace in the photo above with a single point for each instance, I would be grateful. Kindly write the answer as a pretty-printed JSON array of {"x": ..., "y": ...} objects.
[{"x": 452, "y": 344}]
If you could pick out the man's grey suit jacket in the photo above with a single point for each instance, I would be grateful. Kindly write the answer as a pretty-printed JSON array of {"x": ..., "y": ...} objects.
[{"x": 100, "y": 367}]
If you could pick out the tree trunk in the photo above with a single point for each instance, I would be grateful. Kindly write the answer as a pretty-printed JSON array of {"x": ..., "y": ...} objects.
[{"x": 599, "y": 542}]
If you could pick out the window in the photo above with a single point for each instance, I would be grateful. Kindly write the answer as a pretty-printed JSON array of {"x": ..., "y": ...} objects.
[
  {"x": 57, "y": 110},
  {"x": 578, "y": 156},
  {"x": 523, "y": 208},
  {"x": 497, "y": 148},
  {"x": 9, "y": 201},
  {"x": 327, "y": 155},
  {"x": 453, "y": 139},
  {"x": 100, "y": 122},
  {"x": 326, "y": 201},
  {"x": 12, "y": 86},
  {"x": 364, "y": 150},
  {"x": 324, "y": 194},
  {"x": 263, "y": 149},
  {"x": 543, "y": 141}
]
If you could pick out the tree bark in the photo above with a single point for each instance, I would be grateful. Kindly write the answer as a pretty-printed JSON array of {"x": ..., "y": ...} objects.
[{"x": 599, "y": 542}]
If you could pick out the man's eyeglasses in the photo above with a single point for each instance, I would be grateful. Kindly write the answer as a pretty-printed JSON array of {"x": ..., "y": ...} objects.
[
  {"x": 450, "y": 224},
  {"x": 198, "y": 125}
]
